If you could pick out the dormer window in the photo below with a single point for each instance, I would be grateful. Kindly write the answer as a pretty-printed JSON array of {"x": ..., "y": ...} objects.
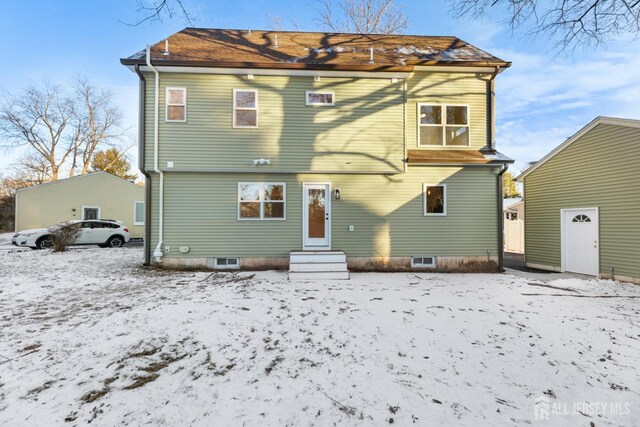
[
  {"x": 443, "y": 125},
  {"x": 245, "y": 108}
]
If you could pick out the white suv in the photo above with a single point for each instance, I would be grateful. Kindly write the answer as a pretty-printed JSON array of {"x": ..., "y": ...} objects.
[{"x": 101, "y": 232}]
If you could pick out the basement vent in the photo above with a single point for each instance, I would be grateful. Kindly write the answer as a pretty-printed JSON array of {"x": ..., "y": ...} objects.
[
  {"x": 423, "y": 262},
  {"x": 223, "y": 263}
]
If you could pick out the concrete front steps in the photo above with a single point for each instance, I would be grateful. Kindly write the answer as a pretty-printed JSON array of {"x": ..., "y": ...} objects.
[{"x": 317, "y": 265}]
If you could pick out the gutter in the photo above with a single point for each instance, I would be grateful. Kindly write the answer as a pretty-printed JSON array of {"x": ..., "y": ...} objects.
[
  {"x": 157, "y": 253},
  {"x": 501, "y": 220},
  {"x": 141, "y": 160},
  {"x": 304, "y": 66}
]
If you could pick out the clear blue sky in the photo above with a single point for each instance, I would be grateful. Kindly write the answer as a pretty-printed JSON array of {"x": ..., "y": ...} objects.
[{"x": 542, "y": 99}]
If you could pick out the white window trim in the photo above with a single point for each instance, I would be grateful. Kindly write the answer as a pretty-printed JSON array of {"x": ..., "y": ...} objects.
[
  {"x": 135, "y": 211},
  {"x": 235, "y": 266},
  {"x": 245, "y": 109},
  {"x": 424, "y": 199},
  {"x": 444, "y": 125},
  {"x": 167, "y": 105},
  {"x": 320, "y": 104},
  {"x": 432, "y": 265},
  {"x": 262, "y": 201},
  {"x": 92, "y": 207}
]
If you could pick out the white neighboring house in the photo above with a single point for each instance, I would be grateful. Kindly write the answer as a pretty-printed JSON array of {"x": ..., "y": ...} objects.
[
  {"x": 514, "y": 225},
  {"x": 98, "y": 195}
]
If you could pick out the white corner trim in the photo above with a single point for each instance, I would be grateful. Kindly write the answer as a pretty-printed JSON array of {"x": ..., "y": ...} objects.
[{"x": 600, "y": 120}]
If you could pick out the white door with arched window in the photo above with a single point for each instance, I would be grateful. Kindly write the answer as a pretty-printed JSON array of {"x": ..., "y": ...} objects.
[{"x": 580, "y": 241}]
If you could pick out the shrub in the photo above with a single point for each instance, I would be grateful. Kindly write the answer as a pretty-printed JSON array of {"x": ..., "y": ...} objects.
[{"x": 63, "y": 235}]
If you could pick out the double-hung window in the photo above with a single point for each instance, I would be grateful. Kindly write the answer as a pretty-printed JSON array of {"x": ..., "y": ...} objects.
[
  {"x": 176, "y": 104},
  {"x": 435, "y": 200},
  {"x": 258, "y": 200},
  {"x": 245, "y": 108},
  {"x": 443, "y": 125}
]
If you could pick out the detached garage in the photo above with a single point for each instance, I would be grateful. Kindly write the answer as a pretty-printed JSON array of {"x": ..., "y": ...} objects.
[
  {"x": 582, "y": 203},
  {"x": 91, "y": 196}
]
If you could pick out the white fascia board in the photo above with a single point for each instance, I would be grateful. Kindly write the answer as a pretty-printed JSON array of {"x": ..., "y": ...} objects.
[
  {"x": 456, "y": 69},
  {"x": 277, "y": 72},
  {"x": 600, "y": 120}
]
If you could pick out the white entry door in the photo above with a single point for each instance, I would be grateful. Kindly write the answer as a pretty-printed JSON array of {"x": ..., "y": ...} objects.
[
  {"x": 316, "y": 216},
  {"x": 580, "y": 245}
]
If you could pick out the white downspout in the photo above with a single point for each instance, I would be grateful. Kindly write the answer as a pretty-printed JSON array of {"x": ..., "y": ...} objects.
[{"x": 157, "y": 253}]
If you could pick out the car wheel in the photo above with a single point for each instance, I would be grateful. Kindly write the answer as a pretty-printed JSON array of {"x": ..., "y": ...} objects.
[
  {"x": 115, "y": 242},
  {"x": 44, "y": 242}
]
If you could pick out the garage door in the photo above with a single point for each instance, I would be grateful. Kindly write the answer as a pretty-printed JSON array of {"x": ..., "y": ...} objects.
[{"x": 580, "y": 242}]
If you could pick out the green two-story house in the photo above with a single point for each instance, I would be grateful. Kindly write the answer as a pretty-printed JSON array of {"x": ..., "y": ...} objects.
[{"x": 320, "y": 151}]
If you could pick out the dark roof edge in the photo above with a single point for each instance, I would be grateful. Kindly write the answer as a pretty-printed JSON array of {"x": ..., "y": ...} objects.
[{"x": 302, "y": 66}]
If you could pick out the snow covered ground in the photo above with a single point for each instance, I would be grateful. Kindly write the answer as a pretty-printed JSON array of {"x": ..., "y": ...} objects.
[{"x": 91, "y": 336}]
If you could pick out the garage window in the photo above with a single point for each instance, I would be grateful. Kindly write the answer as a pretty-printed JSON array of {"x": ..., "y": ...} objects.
[{"x": 138, "y": 213}]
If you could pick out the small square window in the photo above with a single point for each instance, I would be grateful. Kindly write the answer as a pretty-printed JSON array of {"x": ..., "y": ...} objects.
[
  {"x": 443, "y": 125},
  {"x": 176, "y": 104},
  {"x": 435, "y": 200},
  {"x": 320, "y": 98}
]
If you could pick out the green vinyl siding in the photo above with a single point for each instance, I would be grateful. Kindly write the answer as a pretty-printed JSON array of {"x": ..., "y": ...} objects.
[
  {"x": 362, "y": 132},
  {"x": 386, "y": 211},
  {"x": 449, "y": 89},
  {"x": 600, "y": 170}
]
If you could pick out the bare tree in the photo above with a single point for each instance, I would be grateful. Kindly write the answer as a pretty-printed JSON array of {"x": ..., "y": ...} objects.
[
  {"x": 96, "y": 122},
  {"x": 63, "y": 235},
  {"x": 60, "y": 131},
  {"x": 38, "y": 119},
  {"x": 571, "y": 22},
  {"x": 161, "y": 9},
  {"x": 362, "y": 16}
]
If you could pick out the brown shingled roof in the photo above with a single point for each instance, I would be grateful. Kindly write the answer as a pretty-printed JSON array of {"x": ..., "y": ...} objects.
[
  {"x": 446, "y": 156},
  {"x": 338, "y": 51}
]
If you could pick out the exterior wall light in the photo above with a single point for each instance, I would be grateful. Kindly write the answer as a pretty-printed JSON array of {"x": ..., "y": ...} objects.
[{"x": 336, "y": 194}]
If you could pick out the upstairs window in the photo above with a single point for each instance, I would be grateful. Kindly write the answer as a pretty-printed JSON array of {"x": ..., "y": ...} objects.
[
  {"x": 245, "y": 108},
  {"x": 435, "y": 200},
  {"x": 320, "y": 98},
  {"x": 258, "y": 200},
  {"x": 443, "y": 125},
  {"x": 176, "y": 104}
]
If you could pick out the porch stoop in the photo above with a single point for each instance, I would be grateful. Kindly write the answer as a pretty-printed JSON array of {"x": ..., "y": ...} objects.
[{"x": 312, "y": 265}]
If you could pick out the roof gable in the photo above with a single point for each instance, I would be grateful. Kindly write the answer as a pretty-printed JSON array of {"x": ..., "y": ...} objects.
[
  {"x": 595, "y": 122},
  {"x": 288, "y": 49},
  {"x": 85, "y": 176}
]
